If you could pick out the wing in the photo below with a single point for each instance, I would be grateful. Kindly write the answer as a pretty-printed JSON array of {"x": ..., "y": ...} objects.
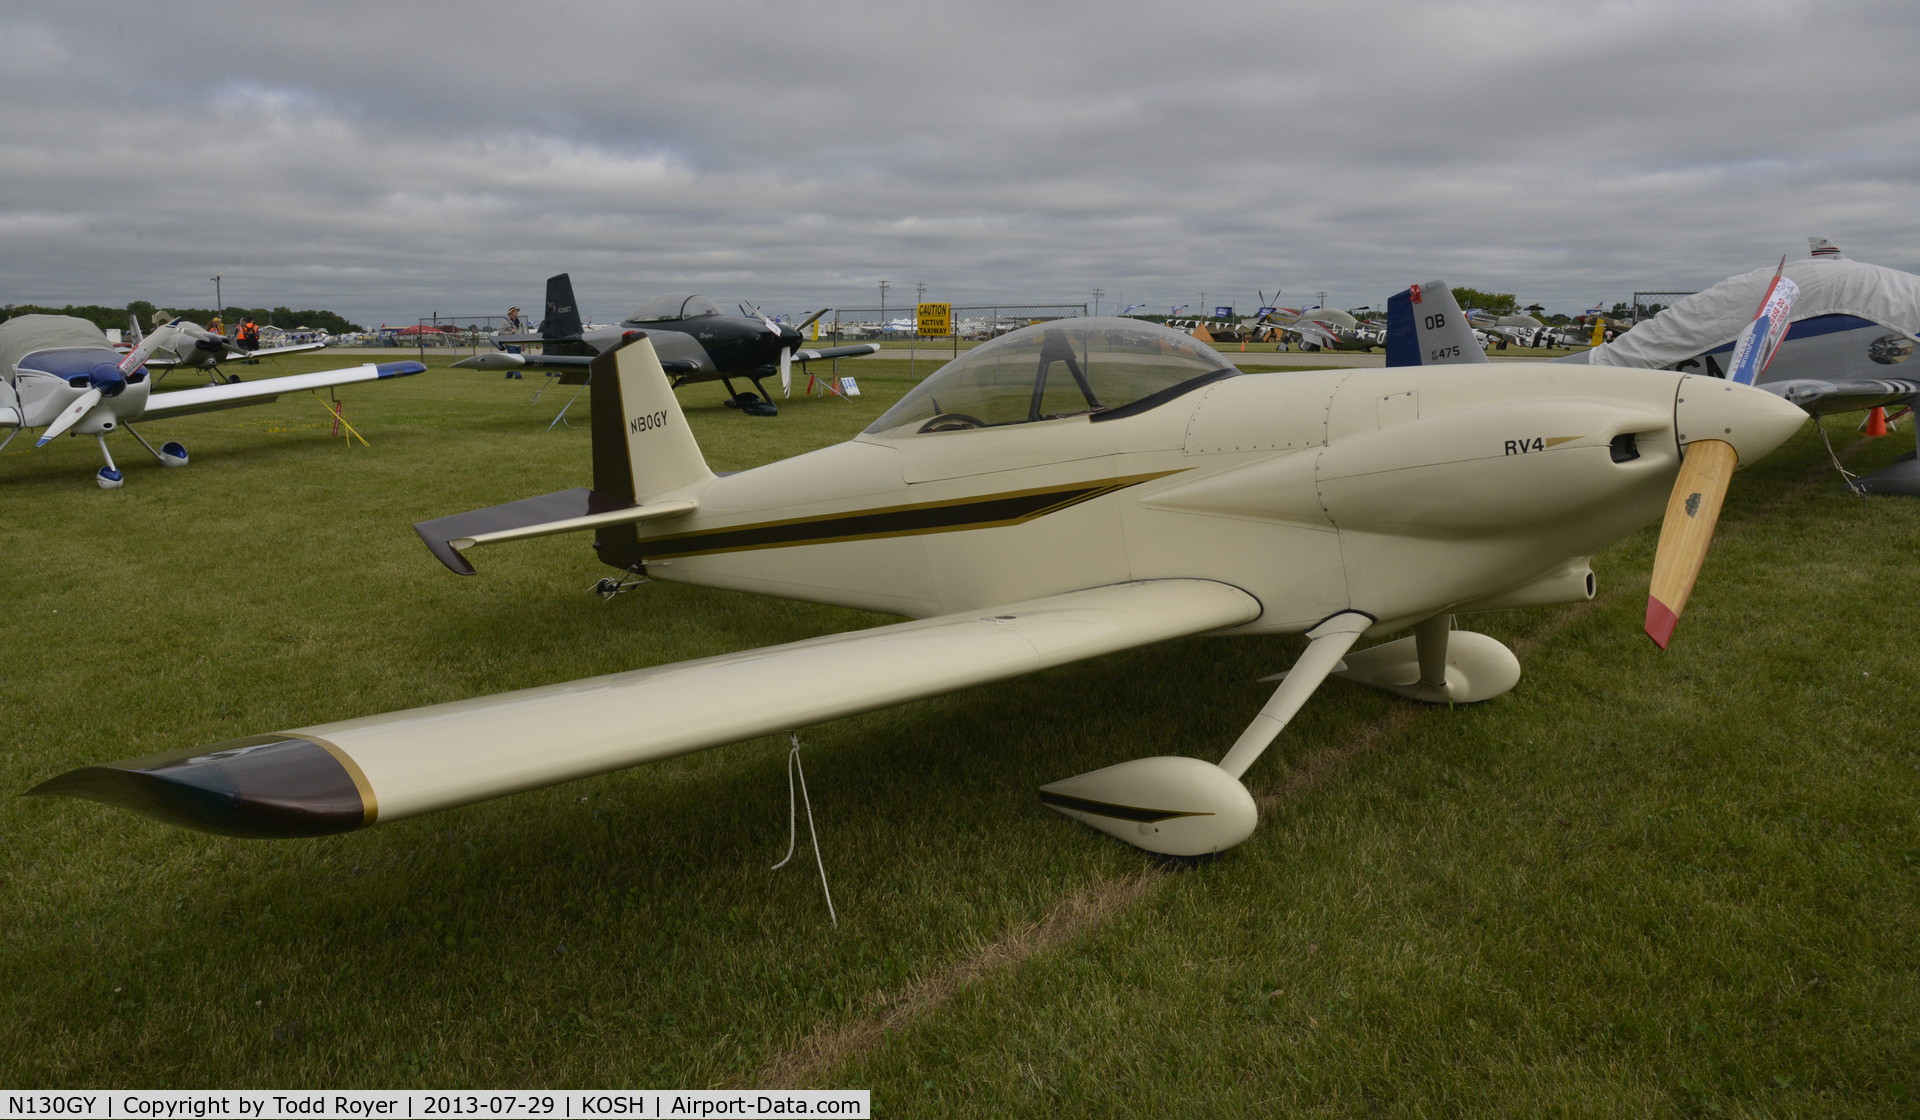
[
  {"x": 835, "y": 352},
  {"x": 239, "y": 394},
  {"x": 275, "y": 351},
  {"x": 1316, "y": 333},
  {"x": 336, "y": 777},
  {"x": 1852, "y": 395}
]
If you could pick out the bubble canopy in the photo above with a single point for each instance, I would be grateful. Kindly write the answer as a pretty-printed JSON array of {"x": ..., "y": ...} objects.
[
  {"x": 679, "y": 305},
  {"x": 1099, "y": 367}
]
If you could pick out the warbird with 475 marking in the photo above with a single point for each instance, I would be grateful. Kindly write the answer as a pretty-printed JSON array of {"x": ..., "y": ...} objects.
[{"x": 1066, "y": 491}]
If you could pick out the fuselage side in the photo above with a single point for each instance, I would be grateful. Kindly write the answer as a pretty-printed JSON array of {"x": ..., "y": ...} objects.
[{"x": 1397, "y": 492}]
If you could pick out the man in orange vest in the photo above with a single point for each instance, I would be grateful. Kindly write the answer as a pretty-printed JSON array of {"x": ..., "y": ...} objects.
[{"x": 249, "y": 335}]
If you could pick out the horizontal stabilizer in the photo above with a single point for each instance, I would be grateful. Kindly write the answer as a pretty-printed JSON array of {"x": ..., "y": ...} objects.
[
  {"x": 338, "y": 776},
  {"x": 237, "y": 394},
  {"x": 568, "y": 511},
  {"x": 854, "y": 351}
]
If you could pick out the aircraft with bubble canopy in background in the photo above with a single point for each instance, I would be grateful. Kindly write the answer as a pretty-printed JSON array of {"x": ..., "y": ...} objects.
[
  {"x": 1069, "y": 490},
  {"x": 694, "y": 340}
]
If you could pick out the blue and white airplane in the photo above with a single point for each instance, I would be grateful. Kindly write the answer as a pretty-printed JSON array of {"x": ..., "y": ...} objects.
[{"x": 60, "y": 373}]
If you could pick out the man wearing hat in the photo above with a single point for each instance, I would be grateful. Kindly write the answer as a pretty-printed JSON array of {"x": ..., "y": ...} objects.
[{"x": 514, "y": 325}]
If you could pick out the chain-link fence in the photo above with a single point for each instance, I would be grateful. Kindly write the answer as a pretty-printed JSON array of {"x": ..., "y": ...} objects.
[
  {"x": 1648, "y": 304},
  {"x": 449, "y": 332},
  {"x": 970, "y": 322}
]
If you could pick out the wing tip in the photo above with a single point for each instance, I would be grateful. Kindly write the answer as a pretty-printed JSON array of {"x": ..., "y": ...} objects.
[{"x": 277, "y": 786}]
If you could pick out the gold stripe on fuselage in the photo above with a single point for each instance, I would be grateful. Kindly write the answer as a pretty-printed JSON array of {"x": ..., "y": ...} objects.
[{"x": 950, "y": 515}]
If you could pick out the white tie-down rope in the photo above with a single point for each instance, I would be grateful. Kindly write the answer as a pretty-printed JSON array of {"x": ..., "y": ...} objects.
[
  {"x": 1846, "y": 475},
  {"x": 793, "y": 824}
]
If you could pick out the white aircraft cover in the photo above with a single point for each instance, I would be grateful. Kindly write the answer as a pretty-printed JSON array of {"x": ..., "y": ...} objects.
[
  {"x": 1700, "y": 322},
  {"x": 28, "y": 334}
]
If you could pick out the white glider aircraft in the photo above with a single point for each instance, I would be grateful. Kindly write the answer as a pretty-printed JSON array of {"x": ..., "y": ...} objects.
[
  {"x": 1072, "y": 489},
  {"x": 60, "y": 373}
]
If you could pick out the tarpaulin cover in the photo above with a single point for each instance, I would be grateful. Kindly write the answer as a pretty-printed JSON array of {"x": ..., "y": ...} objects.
[
  {"x": 1705, "y": 320},
  {"x": 27, "y": 334}
]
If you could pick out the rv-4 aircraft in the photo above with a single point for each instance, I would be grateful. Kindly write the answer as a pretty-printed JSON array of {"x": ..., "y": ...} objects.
[
  {"x": 694, "y": 340},
  {"x": 60, "y": 373},
  {"x": 1072, "y": 489}
]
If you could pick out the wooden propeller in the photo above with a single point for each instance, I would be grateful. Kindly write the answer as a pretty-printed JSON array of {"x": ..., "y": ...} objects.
[{"x": 1692, "y": 511}]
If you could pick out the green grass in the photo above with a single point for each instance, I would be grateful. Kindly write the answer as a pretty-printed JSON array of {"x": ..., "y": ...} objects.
[{"x": 1640, "y": 884}]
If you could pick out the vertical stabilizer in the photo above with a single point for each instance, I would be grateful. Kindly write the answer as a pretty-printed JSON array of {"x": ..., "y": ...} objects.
[
  {"x": 642, "y": 447},
  {"x": 1425, "y": 327},
  {"x": 563, "y": 314},
  {"x": 1823, "y": 250}
]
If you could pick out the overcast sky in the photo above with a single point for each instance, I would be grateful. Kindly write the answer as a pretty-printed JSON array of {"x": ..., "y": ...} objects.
[{"x": 392, "y": 160}]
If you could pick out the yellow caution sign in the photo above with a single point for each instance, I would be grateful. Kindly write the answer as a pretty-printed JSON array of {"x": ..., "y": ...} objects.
[{"x": 936, "y": 319}]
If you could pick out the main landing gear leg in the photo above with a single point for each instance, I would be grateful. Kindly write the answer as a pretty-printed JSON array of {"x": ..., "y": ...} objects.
[
  {"x": 1437, "y": 665},
  {"x": 109, "y": 477},
  {"x": 1189, "y": 808},
  {"x": 170, "y": 454}
]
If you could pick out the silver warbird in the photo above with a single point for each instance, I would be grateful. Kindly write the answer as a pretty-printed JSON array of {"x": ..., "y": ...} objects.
[{"x": 1069, "y": 490}]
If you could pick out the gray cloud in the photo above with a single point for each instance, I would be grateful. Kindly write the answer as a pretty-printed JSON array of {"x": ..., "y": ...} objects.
[{"x": 390, "y": 161}]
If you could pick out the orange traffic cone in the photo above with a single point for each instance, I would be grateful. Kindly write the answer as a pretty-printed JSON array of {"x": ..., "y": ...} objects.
[{"x": 1876, "y": 423}]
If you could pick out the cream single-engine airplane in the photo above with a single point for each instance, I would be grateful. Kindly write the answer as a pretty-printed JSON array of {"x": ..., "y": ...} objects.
[
  {"x": 60, "y": 373},
  {"x": 1069, "y": 490}
]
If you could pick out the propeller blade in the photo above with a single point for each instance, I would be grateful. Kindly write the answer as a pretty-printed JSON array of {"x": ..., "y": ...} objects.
[
  {"x": 786, "y": 372},
  {"x": 139, "y": 354},
  {"x": 1692, "y": 510},
  {"x": 803, "y": 324},
  {"x": 69, "y": 417}
]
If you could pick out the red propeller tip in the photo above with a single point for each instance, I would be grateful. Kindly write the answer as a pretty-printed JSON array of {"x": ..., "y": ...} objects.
[{"x": 1660, "y": 622}]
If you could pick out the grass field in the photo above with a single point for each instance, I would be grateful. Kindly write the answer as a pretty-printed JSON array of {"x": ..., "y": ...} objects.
[{"x": 1640, "y": 884}]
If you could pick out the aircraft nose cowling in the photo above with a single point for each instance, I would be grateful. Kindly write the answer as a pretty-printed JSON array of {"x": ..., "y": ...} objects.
[{"x": 1753, "y": 420}]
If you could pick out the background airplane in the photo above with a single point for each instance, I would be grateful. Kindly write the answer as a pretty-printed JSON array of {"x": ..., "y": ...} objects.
[
  {"x": 1853, "y": 329},
  {"x": 694, "y": 340},
  {"x": 1326, "y": 328},
  {"x": 61, "y": 374},
  {"x": 180, "y": 343}
]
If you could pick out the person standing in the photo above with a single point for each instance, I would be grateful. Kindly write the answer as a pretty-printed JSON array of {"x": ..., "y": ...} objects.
[
  {"x": 514, "y": 325},
  {"x": 249, "y": 335}
]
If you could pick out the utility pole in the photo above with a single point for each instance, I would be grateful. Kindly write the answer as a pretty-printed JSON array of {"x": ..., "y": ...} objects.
[
  {"x": 913, "y": 348},
  {"x": 219, "y": 308},
  {"x": 883, "y": 309},
  {"x": 1097, "y": 293}
]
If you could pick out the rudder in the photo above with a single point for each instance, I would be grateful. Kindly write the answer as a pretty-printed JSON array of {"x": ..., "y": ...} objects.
[
  {"x": 642, "y": 446},
  {"x": 1425, "y": 327},
  {"x": 563, "y": 314}
]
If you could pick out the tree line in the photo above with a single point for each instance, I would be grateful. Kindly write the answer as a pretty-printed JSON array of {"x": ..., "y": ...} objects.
[{"x": 115, "y": 318}]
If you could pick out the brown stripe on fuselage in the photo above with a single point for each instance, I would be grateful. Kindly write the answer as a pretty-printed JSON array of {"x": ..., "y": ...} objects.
[{"x": 948, "y": 516}]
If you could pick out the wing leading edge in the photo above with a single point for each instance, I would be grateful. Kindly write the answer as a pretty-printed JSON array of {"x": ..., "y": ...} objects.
[
  {"x": 238, "y": 394},
  {"x": 340, "y": 776}
]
